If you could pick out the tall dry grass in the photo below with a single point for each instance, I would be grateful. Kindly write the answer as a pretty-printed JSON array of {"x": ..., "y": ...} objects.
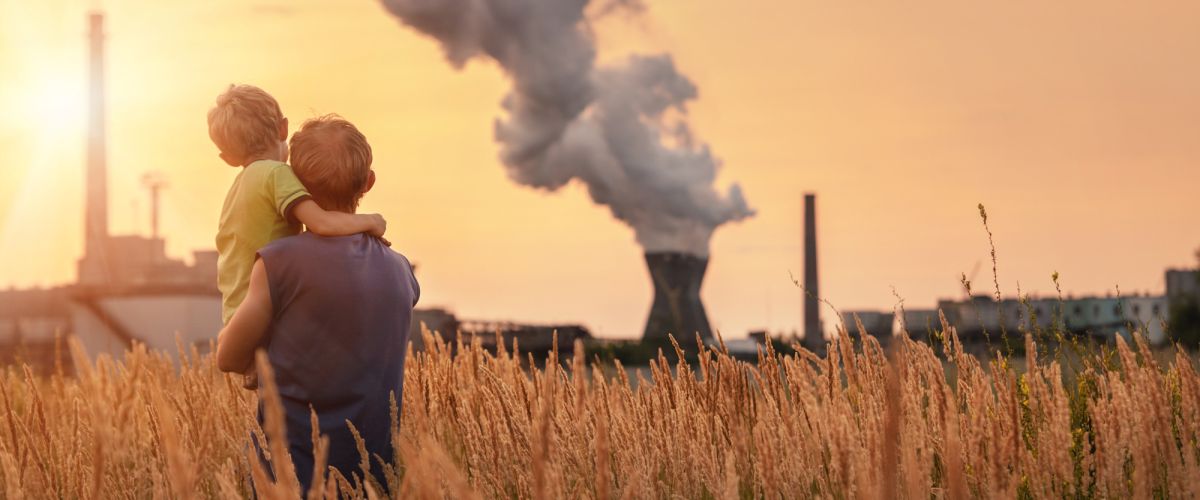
[{"x": 859, "y": 422}]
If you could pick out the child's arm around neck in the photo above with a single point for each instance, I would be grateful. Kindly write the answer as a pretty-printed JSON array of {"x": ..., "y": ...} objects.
[{"x": 330, "y": 223}]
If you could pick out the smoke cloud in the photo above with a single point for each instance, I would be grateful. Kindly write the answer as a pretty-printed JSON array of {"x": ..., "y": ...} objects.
[{"x": 620, "y": 129}]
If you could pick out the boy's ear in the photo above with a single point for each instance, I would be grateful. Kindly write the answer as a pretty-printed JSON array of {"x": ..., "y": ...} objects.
[
  {"x": 283, "y": 129},
  {"x": 370, "y": 181},
  {"x": 229, "y": 160}
]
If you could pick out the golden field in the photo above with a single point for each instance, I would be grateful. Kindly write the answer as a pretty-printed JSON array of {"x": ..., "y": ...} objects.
[{"x": 861, "y": 422}]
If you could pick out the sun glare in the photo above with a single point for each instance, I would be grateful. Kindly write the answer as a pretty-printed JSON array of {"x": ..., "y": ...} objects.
[{"x": 53, "y": 103}]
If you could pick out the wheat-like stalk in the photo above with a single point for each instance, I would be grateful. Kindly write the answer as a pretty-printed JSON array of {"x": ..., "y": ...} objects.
[{"x": 860, "y": 422}]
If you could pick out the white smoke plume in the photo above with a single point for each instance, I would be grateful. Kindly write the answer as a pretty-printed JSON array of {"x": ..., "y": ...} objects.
[{"x": 619, "y": 129}]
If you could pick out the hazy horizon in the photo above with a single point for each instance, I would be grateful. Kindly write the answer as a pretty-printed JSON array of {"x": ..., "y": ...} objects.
[{"x": 1074, "y": 123}]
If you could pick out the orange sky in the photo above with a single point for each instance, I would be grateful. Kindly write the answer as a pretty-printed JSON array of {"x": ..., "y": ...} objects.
[{"x": 1075, "y": 122}]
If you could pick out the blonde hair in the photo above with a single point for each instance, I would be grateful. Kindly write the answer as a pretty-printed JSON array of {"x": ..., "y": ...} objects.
[
  {"x": 333, "y": 160},
  {"x": 245, "y": 122}
]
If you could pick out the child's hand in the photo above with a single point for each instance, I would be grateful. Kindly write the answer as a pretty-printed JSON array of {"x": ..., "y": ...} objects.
[{"x": 378, "y": 227}]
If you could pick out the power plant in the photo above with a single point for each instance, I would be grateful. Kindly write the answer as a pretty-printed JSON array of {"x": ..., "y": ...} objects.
[{"x": 130, "y": 292}]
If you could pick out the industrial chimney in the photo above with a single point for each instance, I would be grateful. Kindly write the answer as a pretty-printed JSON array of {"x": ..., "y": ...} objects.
[
  {"x": 813, "y": 337},
  {"x": 97, "y": 182},
  {"x": 677, "y": 308},
  {"x": 93, "y": 267}
]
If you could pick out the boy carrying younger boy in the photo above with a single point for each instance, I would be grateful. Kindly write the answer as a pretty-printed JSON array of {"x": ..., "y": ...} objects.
[{"x": 266, "y": 201}]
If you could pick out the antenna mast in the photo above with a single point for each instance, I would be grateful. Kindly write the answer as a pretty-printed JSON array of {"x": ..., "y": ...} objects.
[{"x": 155, "y": 182}]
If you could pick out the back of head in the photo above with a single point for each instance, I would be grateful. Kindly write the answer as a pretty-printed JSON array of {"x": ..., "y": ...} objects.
[
  {"x": 333, "y": 160},
  {"x": 245, "y": 123}
]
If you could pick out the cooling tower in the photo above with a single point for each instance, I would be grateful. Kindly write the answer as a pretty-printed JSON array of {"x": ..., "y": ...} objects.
[{"x": 677, "y": 308}]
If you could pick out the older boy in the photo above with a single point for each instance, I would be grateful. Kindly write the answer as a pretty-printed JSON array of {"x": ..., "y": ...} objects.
[{"x": 337, "y": 312}]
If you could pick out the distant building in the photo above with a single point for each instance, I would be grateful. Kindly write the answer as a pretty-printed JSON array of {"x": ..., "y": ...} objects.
[
  {"x": 436, "y": 320},
  {"x": 534, "y": 338},
  {"x": 1183, "y": 283},
  {"x": 131, "y": 260},
  {"x": 759, "y": 336},
  {"x": 33, "y": 315},
  {"x": 1183, "y": 297},
  {"x": 918, "y": 323},
  {"x": 528, "y": 337},
  {"x": 878, "y": 324},
  {"x": 141, "y": 296},
  {"x": 1103, "y": 318}
]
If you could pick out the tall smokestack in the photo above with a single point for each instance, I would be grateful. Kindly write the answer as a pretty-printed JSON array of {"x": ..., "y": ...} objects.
[
  {"x": 96, "y": 215},
  {"x": 677, "y": 308},
  {"x": 813, "y": 336}
]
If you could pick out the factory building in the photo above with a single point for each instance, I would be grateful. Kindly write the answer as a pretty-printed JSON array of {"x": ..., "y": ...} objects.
[
  {"x": 1183, "y": 284},
  {"x": 980, "y": 318},
  {"x": 29, "y": 321},
  {"x": 1102, "y": 318},
  {"x": 919, "y": 323},
  {"x": 878, "y": 324},
  {"x": 529, "y": 338}
]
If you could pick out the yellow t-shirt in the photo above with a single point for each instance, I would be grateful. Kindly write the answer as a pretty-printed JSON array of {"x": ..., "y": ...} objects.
[{"x": 256, "y": 212}]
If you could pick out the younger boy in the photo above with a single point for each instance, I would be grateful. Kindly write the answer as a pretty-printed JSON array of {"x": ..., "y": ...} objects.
[{"x": 266, "y": 201}]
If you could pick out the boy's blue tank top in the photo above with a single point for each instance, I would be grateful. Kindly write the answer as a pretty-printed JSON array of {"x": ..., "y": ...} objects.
[{"x": 342, "y": 315}]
